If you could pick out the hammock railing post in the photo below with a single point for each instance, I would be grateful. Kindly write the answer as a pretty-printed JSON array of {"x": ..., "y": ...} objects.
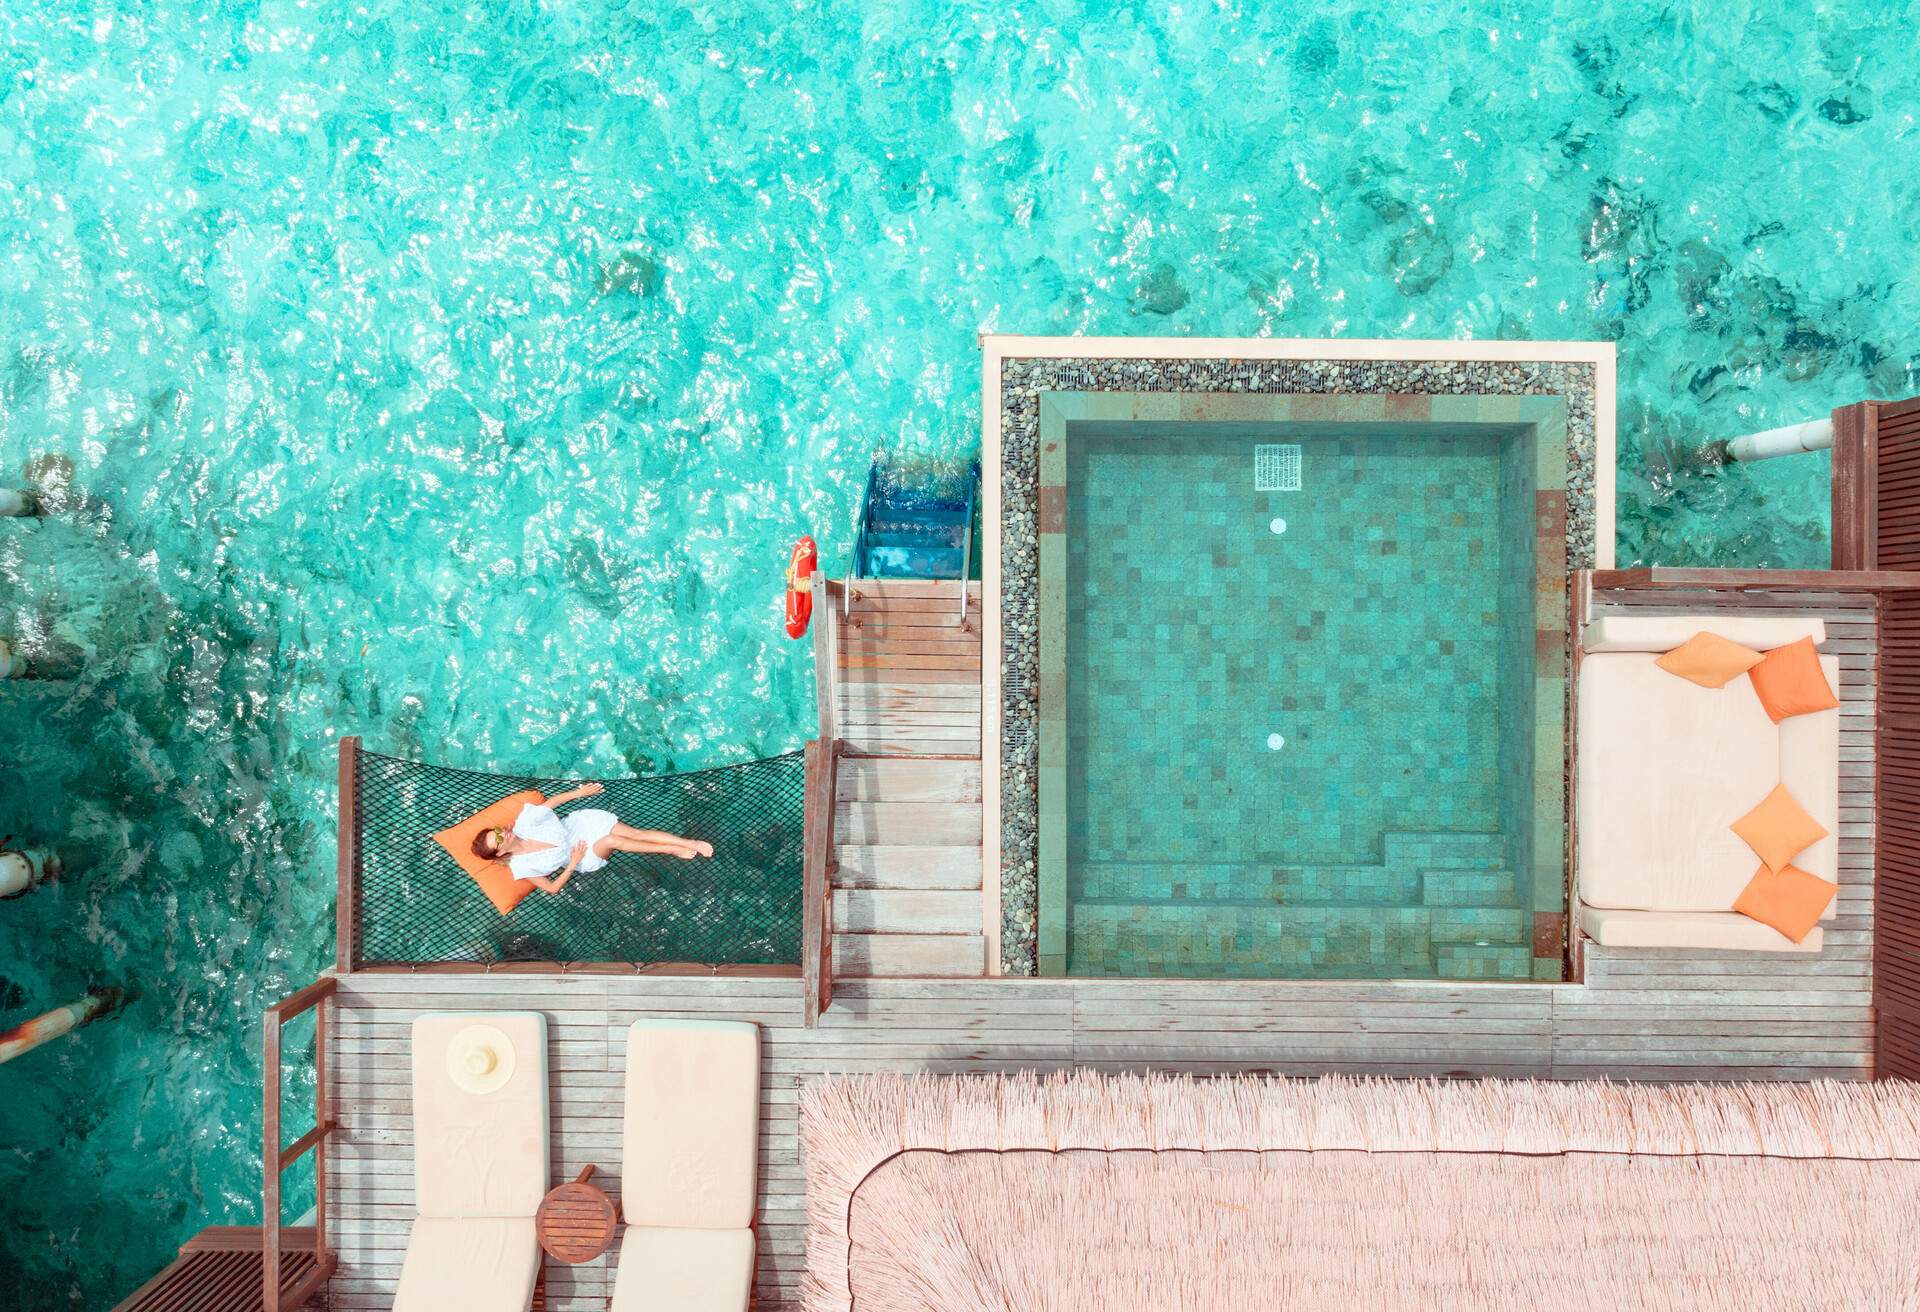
[
  {"x": 346, "y": 911},
  {"x": 816, "y": 882}
]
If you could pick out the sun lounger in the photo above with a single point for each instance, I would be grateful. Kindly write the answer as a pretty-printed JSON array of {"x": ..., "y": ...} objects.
[
  {"x": 687, "y": 1174},
  {"x": 480, "y": 1162}
]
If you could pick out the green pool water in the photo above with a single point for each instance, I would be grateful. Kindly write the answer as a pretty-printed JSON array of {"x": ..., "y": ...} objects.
[
  {"x": 458, "y": 376},
  {"x": 1300, "y": 722}
]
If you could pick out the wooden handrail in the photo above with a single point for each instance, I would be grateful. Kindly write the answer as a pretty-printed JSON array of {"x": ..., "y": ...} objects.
[
  {"x": 295, "y": 1003},
  {"x": 816, "y": 883},
  {"x": 275, "y": 1158},
  {"x": 1758, "y": 580}
]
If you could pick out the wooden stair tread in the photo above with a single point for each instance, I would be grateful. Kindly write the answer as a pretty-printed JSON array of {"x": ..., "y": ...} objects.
[
  {"x": 906, "y": 911},
  {"x": 907, "y": 866},
  {"x": 862, "y": 956},
  {"x": 893, "y": 779},
  {"x": 888, "y": 823}
]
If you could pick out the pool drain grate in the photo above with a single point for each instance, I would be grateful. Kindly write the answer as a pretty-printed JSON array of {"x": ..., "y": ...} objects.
[{"x": 1276, "y": 468}]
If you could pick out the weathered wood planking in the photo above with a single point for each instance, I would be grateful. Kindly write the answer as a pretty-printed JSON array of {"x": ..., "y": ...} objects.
[
  {"x": 907, "y": 897},
  {"x": 1641, "y": 1015},
  {"x": 1650, "y": 1014}
]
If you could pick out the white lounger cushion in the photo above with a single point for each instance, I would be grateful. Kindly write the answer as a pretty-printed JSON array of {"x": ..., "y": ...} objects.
[
  {"x": 1689, "y": 929},
  {"x": 1665, "y": 767},
  {"x": 474, "y": 1264},
  {"x": 692, "y": 1124},
  {"x": 1662, "y": 633},
  {"x": 684, "y": 1270},
  {"x": 486, "y": 1154}
]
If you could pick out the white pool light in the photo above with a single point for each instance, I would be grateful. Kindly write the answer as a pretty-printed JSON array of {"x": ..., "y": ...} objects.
[
  {"x": 1278, "y": 525},
  {"x": 1275, "y": 742}
]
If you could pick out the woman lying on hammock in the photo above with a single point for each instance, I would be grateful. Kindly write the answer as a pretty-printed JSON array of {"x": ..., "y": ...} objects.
[{"x": 541, "y": 842}]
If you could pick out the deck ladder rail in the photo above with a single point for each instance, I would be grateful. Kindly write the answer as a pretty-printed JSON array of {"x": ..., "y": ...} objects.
[
  {"x": 822, "y": 776},
  {"x": 966, "y": 548},
  {"x": 276, "y": 1158},
  {"x": 816, "y": 898}
]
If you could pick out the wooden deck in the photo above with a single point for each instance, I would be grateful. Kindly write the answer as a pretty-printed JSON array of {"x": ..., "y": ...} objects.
[
  {"x": 1641, "y": 1015},
  {"x": 906, "y": 897},
  {"x": 1638, "y": 1014}
]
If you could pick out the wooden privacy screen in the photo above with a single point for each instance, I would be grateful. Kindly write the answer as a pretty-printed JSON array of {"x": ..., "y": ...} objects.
[
  {"x": 1896, "y": 901},
  {"x": 1876, "y": 526},
  {"x": 1876, "y": 485}
]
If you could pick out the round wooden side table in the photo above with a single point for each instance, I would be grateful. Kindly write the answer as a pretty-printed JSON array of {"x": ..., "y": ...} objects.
[{"x": 576, "y": 1221}]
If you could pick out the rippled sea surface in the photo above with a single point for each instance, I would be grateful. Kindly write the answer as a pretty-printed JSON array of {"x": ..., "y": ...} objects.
[{"x": 455, "y": 375}]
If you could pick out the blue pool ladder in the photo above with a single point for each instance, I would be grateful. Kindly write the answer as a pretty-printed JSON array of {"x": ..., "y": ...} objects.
[{"x": 917, "y": 523}]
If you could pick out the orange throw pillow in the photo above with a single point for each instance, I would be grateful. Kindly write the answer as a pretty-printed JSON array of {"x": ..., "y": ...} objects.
[
  {"x": 493, "y": 877},
  {"x": 1790, "y": 682},
  {"x": 1779, "y": 829},
  {"x": 1790, "y": 900},
  {"x": 1709, "y": 660}
]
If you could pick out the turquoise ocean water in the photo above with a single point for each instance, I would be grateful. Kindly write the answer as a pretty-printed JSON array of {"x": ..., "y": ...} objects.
[{"x": 456, "y": 375}]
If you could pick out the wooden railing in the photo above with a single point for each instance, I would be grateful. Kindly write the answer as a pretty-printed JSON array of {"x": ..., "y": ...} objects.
[
  {"x": 816, "y": 896},
  {"x": 1876, "y": 526},
  {"x": 822, "y": 789},
  {"x": 276, "y": 1157}
]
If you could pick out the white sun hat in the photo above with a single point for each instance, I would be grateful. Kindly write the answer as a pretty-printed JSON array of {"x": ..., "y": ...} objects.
[{"x": 479, "y": 1059}]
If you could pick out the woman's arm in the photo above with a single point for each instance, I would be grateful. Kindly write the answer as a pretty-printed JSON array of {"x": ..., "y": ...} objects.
[
  {"x": 554, "y": 883},
  {"x": 583, "y": 790}
]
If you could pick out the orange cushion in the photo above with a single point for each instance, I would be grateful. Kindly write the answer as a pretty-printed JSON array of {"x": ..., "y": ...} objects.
[
  {"x": 1709, "y": 660},
  {"x": 1790, "y": 900},
  {"x": 1790, "y": 681},
  {"x": 495, "y": 880},
  {"x": 1779, "y": 829}
]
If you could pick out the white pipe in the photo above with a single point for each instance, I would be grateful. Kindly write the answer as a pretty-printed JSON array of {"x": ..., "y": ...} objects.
[
  {"x": 15, "y": 504},
  {"x": 1814, "y": 435},
  {"x": 61, "y": 1020},
  {"x": 11, "y": 666},
  {"x": 22, "y": 869}
]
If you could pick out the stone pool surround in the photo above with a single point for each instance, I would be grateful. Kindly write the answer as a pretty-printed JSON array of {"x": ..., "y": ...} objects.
[{"x": 1020, "y": 372}]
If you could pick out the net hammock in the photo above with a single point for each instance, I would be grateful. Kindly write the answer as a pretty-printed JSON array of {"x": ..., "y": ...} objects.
[{"x": 739, "y": 907}]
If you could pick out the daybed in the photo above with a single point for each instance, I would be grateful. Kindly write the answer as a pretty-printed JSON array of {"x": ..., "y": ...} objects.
[{"x": 1663, "y": 769}]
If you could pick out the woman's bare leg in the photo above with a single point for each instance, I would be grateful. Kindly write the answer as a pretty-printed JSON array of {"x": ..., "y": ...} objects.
[
  {"x": 663, "y": 840},
  {"x": 685, "y": 849}
]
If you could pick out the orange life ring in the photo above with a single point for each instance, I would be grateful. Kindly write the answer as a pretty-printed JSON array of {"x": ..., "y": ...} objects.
[{"x": 800, "y": 567}]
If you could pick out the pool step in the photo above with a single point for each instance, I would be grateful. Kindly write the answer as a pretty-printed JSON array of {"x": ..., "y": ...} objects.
[
  {"x": 1249, "y": 941},
  {"x": 1469, "y": 887},
  {"x": 1444, "y": 851},
  {"x": 1490, "y": 961},
  {"x": 1290, "y": 886},
  {"x": 1480, "y": 925}
]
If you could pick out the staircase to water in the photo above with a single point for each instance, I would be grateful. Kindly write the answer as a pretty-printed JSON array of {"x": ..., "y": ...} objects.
[{"x": 915, "y": 523}]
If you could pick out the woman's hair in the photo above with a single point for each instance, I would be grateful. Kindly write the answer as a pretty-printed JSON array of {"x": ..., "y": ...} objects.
[{"x": 483, "y": 846}]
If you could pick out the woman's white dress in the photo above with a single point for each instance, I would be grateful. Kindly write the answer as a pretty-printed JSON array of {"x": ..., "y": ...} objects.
[{"x": 539, "y": 823}]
